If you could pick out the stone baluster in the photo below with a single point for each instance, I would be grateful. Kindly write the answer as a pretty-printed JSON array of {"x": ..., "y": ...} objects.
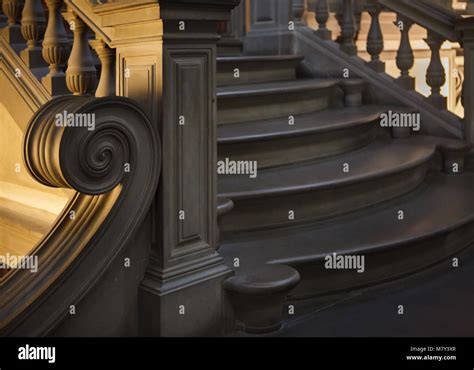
[
  {"x": 466, "y": 26},
  {"x": 321, "y": 10},
  {"x": 375, "y": 37},
  {"x": 56, "y": 49},
  {"x": 435, "y": 75},
  {"x": 33, "y": 24},
  {"x": 348, "y": 28},
  {"x": 12, "y": 9},
  {"x": 405, "y": 57},
  {"x": 106, "y": 86},
  {"x": 81, "y": 74}
]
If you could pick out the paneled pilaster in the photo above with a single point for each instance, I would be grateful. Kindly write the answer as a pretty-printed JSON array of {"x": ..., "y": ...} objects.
[{"x": 171, "y": 73}]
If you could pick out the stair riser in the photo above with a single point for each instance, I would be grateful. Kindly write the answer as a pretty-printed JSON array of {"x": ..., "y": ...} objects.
[
  {"x": 229, "y": 50},
  {"x": 253, "y": 108},
  {"x": 271, "y": 212},
  {"x": 281, "y": 151},
  {"x": 384, "y": 265},
  {"x": 255, "y": 72}
]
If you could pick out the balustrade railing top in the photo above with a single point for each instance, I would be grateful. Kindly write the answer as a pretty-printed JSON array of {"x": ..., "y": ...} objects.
[{"x": 441, "y": 23}]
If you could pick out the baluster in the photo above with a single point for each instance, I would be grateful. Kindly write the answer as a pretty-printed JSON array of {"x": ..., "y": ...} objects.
[
  {"x": 375, "y": 37},
  {"x": 33, "y": 24},
  {"x": 348, "y": 28},
  {"x": 405, "y": 58},
  {"x": 321, "y": 10},
  {"x": 12, "y": 9},
  {"x": 298, "y": 11},
  {"x": 81, "y": 75},
  {"x": 106, "y": 55},
  {"x": 435, "y": 75},
  {"x": 55, "y": 49}
]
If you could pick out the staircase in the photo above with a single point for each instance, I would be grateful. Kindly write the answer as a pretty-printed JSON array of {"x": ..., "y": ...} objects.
[
  {"x": 316, "y": 196},
  {"x": 330, "y": 181}
]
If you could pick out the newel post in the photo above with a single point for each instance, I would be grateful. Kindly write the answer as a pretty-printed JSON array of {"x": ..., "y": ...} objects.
[
  {"x": 171, "y": 73},
  {"x": 466, "y": 26}
]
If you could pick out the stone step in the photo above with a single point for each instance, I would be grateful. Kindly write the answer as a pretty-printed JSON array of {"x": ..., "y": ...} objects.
[
  {"x": 273, "y": 99},
  {"x": 276, "y": 142},
  {"x": 438, "y": 223},
  {"x": 238, "y": 70}
]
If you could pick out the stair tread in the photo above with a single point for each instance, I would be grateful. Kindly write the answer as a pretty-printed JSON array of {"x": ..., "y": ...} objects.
[
  {"x": 445, "y": 204},
  {"x": 373, "y": 161},
  {"x": 321, "y": 121},
  {"x": 278, "y": 87},
  {"x": 258, "y": 58},
  {"x": 267, "y": 278}
]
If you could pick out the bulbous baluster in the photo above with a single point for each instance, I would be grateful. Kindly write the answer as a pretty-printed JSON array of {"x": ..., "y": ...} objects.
[
  {"x": 348, "y": 28},
  {"x": 33, "y": 24},
  {"x": 12, "y": 9},
  {"x": 375, "y": 38},
  {"x": 106, "y": 55},
  {"x": 81, "y": 75},
  {"x": 321, "y": 10},
  {"x": 55, "y": 49},
  {"x": 405, "y": 58},
  {"x": 435, "y": 75}
]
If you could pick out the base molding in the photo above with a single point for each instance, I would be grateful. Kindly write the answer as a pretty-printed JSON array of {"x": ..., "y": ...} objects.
[{"x": 185, "y": 300}]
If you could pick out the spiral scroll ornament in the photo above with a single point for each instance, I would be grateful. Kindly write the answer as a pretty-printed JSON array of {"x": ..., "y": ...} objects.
[{"x": 92, "y": 159}]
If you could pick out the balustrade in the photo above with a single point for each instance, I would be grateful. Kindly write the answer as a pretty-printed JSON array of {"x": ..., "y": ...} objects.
[{"x": 71, "y": 64}]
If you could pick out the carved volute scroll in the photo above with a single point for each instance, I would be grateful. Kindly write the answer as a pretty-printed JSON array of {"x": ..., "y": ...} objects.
[{"x": 115, "y": 167}]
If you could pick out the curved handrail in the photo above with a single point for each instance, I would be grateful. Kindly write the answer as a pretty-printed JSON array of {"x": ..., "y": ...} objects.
[{"x": 109, "y": 206}]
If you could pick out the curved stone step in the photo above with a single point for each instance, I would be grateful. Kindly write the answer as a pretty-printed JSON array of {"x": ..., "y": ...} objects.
[
  {"x": 257, "y": 296},
  {"x": 438, "y": 222},
  {"x": 256, "y": 69},
  {"x": 315, "y": 135},
  {"x": 229, "y": 46},
  {"x": 273, "y": 99},
  {"x": 302, "y": 192}
]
